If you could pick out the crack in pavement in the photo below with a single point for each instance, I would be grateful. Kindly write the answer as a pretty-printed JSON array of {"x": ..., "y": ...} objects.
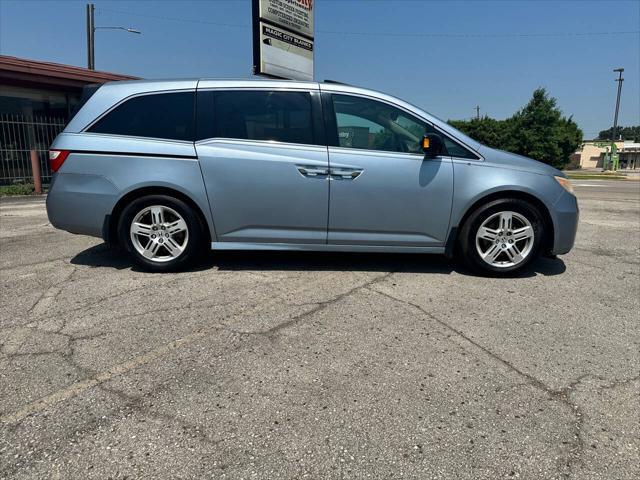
[
  {"x": 136, "y": 403},
  {"x": 130, "y": 401},
  {"x": 43, "y": 262},
  {"x": 319, "y": 306},
  {"x": 79, "y": 387},
  {"x": 67, "y": 351},
  {"x": 53, "y": 292},
  {"x": 38, "y": 308},
  {"x": 530, "y": 379},
  {"x": 559, "y": 395},
  {"x": 50, "y": 294},
  {"x": 96, "y": 379},
  {"x": 87, "y": 307}
]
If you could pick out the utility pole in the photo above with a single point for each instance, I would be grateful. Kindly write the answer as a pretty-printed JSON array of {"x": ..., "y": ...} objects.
[
  {"x": 614, "y": 154},
  {"x": 91, "y": 30},
  {"x": 477, "y": 112}
]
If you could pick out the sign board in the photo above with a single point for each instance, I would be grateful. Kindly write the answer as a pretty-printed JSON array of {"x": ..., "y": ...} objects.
[{"x": 283, "y": 38}]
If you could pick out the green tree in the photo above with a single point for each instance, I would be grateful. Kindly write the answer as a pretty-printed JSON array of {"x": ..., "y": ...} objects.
[
  {"x": 627, "y": 133},
  {"x": 541, "y": 132},
  {"x": 538, "y": 130},
  {"x": 488, "y": 131}
]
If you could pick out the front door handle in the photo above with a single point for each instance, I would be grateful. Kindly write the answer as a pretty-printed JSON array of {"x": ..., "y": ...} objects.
[
  {"x": 312, "y": 171},
  {"x": 345, "y": 173}
]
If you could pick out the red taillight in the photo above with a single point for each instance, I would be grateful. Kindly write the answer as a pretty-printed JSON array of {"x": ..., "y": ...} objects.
[{"x": 57, "y": 158}]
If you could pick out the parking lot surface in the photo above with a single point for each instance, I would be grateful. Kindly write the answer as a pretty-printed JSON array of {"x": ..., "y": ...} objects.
[{"x": 289, "y": 365}]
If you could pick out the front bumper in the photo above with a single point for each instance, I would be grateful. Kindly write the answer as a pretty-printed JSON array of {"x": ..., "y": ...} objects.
[{"x": 565, "y": 214}]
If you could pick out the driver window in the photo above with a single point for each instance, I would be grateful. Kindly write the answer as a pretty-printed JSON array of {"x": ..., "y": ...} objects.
[{"x": 370, "y": 125}]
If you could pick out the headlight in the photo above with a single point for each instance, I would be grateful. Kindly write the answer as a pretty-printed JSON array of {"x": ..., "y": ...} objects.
[{"x": 565, "y": 183}]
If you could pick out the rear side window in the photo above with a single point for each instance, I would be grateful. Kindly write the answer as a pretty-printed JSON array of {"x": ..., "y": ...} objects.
[
  {"x": 262, "y": 115},
  {"x": 160, "y": 115}
]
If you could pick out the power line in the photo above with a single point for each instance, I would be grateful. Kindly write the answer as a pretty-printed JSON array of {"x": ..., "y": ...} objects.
[
  {"x": 160, "y": 17},
  {"x": 390, "y": 34},
  {"x": 480, "y": 35}
]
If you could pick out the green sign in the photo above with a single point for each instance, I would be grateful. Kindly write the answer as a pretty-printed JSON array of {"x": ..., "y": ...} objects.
[{"x": 611, "y": 158}]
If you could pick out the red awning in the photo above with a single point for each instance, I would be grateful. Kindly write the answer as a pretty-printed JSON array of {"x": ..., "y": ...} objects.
[{"x": 23, "y": 72}]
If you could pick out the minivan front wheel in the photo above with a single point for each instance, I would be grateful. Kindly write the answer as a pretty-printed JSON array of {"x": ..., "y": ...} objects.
[
  {"x": 502, "y": 237},
  {"x": 161, "y": 232}
]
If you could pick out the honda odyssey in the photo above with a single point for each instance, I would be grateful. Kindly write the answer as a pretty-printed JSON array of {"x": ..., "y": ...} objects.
[{"x": 166, "y": 169}]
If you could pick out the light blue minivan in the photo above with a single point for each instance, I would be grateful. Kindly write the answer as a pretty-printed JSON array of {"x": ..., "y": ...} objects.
[{"x": 166, "y": 169}]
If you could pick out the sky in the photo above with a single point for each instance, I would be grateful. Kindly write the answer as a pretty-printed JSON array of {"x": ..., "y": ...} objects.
[{"x": 444, "y": 56}]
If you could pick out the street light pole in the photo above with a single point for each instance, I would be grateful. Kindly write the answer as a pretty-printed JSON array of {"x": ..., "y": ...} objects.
[
  {"x": 91, "y": 32},
  {"x": 614, "y": 164}
]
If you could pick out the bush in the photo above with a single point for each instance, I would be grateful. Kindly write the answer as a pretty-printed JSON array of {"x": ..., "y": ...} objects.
[{"x": 17, "y": 189}]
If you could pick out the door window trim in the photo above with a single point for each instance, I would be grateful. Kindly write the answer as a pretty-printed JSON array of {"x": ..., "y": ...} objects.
[
  {"x": 317, "y": 124},
  {"x": 331, "y": 126}
]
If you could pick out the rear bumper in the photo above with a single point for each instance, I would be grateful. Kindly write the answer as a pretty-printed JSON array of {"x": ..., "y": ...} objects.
[
  {"x": 565, "y": 215},
  {"x": 79, "y": 203}
]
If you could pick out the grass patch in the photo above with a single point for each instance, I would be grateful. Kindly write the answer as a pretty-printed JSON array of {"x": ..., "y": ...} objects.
[
  {"x": 586, "y": 176},
  {"x": 19, "y": 189}
]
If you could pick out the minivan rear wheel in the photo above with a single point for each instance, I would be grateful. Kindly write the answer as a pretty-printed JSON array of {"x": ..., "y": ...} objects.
[
  {"x": 502, "y": 237},
  {"x": 162, "y": 233}
]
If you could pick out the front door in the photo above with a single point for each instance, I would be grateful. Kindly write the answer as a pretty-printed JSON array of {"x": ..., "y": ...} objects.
[
  {"x": 382, "y": 189},
  {"x": 265, "y": 174}
]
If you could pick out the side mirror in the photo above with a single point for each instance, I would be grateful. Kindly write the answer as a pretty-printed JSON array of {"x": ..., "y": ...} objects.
[{"x": 432, "y": 145}]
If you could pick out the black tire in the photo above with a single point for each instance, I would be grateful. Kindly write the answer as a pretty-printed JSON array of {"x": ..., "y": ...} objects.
[
  {"x": 195, "y": 240},
  {"x": 467, "y": 239}
]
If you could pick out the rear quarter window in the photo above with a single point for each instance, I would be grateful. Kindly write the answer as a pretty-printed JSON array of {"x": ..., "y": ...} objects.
[
  {"x": 158, "y": 115},
  {"x": 87, "y": 93}
]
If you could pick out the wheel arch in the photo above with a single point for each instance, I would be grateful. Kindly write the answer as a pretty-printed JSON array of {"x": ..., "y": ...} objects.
[
  {"x": 110, "y": 228},
  {"x": 452, "y": 240}
]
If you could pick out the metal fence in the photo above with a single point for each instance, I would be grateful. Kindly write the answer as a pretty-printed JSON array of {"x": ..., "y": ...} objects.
[{"x": 19, "y": 135}]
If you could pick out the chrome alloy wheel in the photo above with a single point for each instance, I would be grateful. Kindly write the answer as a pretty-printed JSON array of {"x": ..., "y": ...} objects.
[
  {"x": 159, "y": 233},
  {"x": 505, "y": 239}
]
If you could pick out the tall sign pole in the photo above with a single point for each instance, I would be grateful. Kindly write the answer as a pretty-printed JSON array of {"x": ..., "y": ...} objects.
[
  {"x": 90, "y": 33},
  {"x": 283, "y": 41},
  {"x": 614, "y": 150}
]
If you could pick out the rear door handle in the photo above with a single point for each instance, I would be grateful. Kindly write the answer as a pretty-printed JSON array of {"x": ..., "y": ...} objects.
[
  {"x": 345, "y": 173},
  {"x": 312, "y": 171}
]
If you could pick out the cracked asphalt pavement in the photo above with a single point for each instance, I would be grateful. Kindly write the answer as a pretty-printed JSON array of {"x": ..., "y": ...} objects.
[{"x": 290, "y": 365}]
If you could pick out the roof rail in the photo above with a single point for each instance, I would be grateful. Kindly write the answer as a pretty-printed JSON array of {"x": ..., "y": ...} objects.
[{"x": 336, "y": 82}]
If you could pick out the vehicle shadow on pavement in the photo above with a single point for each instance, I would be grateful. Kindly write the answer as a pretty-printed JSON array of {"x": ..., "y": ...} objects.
[{"x": 103, "y": 256}]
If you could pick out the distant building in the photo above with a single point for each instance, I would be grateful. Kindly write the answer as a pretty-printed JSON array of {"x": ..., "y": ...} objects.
[
  {"x": 36, "y": 101},
  {"x": 31, "y": 88},
  {"x": 630, "y": 155},
  {"x": 592, "y": 152}
]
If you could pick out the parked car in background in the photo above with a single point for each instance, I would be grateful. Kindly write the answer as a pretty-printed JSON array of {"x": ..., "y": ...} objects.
[{"x": 166, "y": 169}]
